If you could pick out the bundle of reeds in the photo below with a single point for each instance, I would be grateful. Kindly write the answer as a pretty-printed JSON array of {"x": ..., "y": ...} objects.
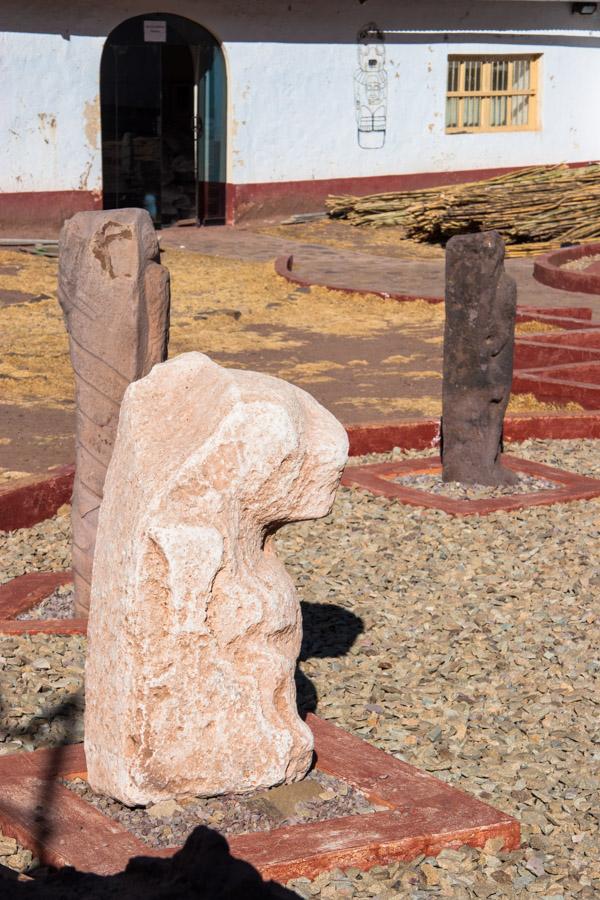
[{"x": 531, "y": 207}]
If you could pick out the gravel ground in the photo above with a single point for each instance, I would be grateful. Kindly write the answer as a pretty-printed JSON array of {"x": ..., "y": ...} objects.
[
  {"x": 433, "y": 484},
  {"x": 14, "y": 856},
  {"x": 44, "y": 548},
  {"x": 468, "y": 647},
  {"x": 168, "y": 823},
  {"x": 59, "y": 605}
]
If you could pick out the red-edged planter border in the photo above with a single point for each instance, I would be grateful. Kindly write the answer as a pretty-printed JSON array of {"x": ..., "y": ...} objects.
[
  {"x": 423, "y": 815},
  {"x": 564, "y": 316},
  {"x": 30, "y": 500},
  {"x": 25, "y": 592},
  {"x": 378, "y": 480},
  {"x": 379, "y": 437},
  {"x": 41, "y": 497},
  {"x": 549, "y": 269}
]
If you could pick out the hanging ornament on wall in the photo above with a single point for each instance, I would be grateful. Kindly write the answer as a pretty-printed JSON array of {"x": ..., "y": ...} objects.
[{"x": 370, "y": 88}]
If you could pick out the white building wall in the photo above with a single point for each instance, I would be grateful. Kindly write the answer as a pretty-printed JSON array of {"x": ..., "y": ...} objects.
[
  {"x": 49, "y": 113},
  {"x": 291, "y": 90}
]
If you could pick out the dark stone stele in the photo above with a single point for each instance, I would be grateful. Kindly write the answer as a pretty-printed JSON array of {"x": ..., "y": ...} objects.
[{"x": 479, "y": 337}]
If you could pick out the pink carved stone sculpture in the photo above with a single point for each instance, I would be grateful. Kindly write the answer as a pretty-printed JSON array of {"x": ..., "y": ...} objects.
[
  {"x": 195, "y": 627},
  {"x": 115, "y": 297}
]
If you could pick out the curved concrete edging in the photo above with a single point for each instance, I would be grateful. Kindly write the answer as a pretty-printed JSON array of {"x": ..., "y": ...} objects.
[
  {"x": 284, "y": 266},
  {"x": 548, "y": 269},
  {"x": 568, "y": 317}
]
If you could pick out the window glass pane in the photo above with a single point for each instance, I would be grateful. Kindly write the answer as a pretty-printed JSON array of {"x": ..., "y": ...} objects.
[
  {"x": 498, "y": 111},
  {"x": 471, "y": 112},
  {"x": 520, "y": 110},
  {"x": 500, "y": 75},
  {"x": 453, "y": 73},
  {"x": 452, "y": 112},
  {"x": 473, "y": 75},
  {"x": 521, "y": 74}
]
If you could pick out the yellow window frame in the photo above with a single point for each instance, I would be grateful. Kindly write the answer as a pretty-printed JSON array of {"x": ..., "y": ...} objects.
[{"x": 486, "y": 94}]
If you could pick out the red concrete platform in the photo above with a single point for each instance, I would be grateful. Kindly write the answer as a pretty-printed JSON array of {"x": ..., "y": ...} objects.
[
  {"x": 542, "y": 350},
  {"x": 423, "y": 815},
  {"x": 378, "y": 479},
  {"x": 25, "y": 592},
  {"x": 578, "y": 382}
]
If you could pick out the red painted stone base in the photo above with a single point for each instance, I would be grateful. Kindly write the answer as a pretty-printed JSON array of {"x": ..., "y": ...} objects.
[
  {"x": 575, "y": 381},
  {"x": 30, "y": 500},
  {"x": 378, "y": 480},
  {"x": 424, "y": 815},
  {"x": 25, "y": 592}
]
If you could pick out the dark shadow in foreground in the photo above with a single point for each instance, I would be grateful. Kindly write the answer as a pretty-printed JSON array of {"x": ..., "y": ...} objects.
[{"x": 203, "y": 869}]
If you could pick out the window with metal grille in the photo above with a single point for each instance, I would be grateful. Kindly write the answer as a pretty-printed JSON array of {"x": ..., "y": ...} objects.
[{"x": 492, "y": 93}]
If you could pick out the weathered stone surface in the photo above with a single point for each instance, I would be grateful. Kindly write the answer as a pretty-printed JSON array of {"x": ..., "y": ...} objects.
[
  {"x": 115, "y": 297},
  {"x": 481, "y": 301},
  {"x": 195, "y": 626}
]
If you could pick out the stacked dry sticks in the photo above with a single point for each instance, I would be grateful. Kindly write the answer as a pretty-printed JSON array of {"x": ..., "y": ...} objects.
[{"x": 537, "y": 208}]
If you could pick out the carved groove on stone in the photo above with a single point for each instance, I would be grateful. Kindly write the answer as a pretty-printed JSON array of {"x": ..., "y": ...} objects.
[{"x": 118, "y": 320}]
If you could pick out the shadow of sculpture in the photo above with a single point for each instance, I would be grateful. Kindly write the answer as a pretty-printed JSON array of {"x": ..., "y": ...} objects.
[
  {"x": 203, "y": 869},
  {"x": 328, "y": 630}
]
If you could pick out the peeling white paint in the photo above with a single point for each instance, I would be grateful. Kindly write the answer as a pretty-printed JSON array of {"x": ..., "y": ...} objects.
[{"x": 46, "y": 82}]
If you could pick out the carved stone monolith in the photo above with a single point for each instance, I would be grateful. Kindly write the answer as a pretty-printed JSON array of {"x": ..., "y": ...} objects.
[
  {"x": 481, "y": 302},
  {"x": 195, "y": 626},
  {"x": 115, "y": 298}
]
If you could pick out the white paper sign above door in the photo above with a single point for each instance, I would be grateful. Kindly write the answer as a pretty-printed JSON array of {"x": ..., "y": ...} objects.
[{"x": 155, "y": 31}]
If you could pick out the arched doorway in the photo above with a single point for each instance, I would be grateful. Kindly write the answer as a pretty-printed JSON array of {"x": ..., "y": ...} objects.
[{"x": 163, "y": 95}]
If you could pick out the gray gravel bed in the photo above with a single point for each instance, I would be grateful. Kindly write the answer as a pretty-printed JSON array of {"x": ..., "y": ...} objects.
[
  {"x": 468, "y": 647},
  {"x": 433, "y": 484},
  {"x": 573, "y": 455},
  {"x": 168, "y": 823},
  {"x": 59, "y": 605},
  {"x": 46, "y": 547},
  {"x": 41, "y": 691}
]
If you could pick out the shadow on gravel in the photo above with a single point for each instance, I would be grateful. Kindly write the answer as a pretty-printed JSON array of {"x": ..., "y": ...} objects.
[
  {"x": 203, "y": 869},
  {"x": 328, "y": 631}
]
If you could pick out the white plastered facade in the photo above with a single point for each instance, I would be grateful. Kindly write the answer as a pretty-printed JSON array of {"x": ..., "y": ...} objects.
[{"x": 291, "y": 82}]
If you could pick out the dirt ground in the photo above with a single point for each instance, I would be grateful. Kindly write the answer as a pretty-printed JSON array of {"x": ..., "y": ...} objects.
[
  {"x": 343, "y": 236},
  {"x": 364, "y": 357}
]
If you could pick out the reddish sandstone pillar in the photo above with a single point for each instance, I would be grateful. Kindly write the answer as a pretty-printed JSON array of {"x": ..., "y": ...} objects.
[{"x": 115, "y": 298}]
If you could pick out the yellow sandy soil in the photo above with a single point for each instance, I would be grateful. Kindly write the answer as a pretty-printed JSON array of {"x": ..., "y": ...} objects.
[
  {"x": 34, "y": 363},
  {"x": 206, "y": 292},
  {"x": 432, "y": 406}
]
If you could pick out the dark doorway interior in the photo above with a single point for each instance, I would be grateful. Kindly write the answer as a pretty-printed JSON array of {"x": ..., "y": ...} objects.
[{"x": 163, "y": 100}]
